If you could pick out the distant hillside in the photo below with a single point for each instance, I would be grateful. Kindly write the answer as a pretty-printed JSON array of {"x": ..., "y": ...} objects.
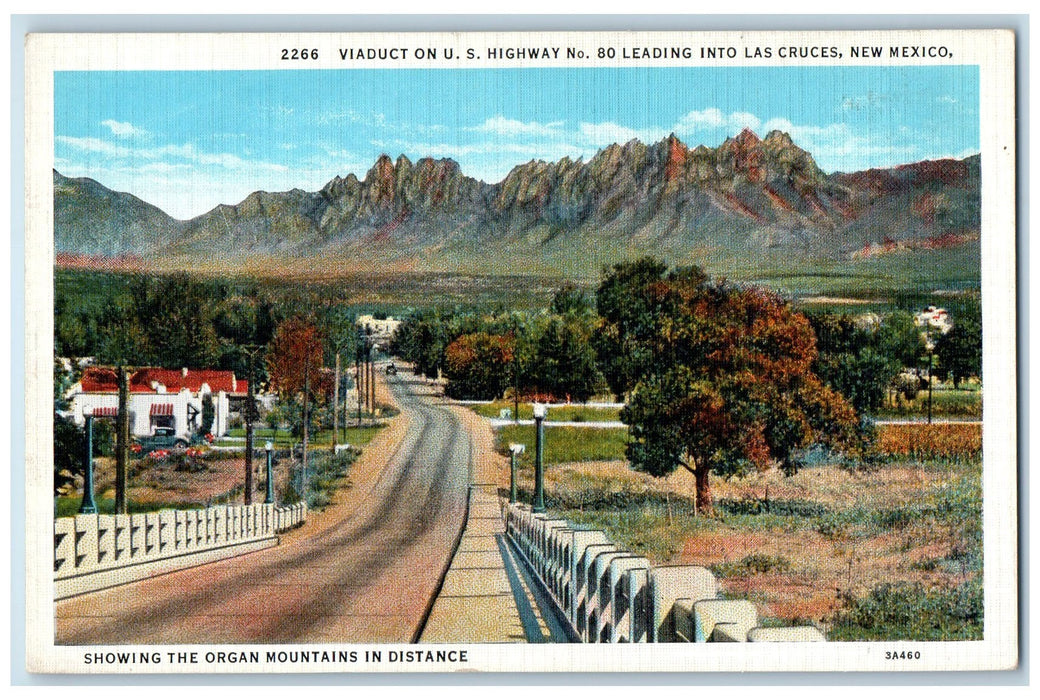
[
  {"x": 90, "y": 219},
  {"x": 748, "y": 201}
]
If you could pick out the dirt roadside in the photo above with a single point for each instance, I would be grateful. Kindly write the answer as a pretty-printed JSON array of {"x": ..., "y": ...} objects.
[{"x": 364, "y": 473}]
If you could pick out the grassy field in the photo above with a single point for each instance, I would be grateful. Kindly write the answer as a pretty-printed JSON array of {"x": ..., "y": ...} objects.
[
  {"x": 906, "y": 281},
  {"x": 576, "y": 412},
  {"x": 890, "y": 552},
  {"x": 947, "y": 402},
  {"x": 284, "y": 438},
  {"x": 566, "y": 444}
]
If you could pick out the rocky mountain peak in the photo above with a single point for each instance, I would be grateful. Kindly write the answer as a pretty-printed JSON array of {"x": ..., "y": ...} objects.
[
  {"x": 778, "y": 139},
  {"x": 747, "y": 139},
  {"x": 753, "y": 195}
]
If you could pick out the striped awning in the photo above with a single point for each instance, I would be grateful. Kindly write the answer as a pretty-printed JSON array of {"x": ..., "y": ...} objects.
[
  {"x": 105, "y": 412},
  {"x": 161, "y": 409}
]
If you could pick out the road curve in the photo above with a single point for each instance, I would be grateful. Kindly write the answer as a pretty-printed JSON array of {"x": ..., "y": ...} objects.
[{"x": 368, "y": 577}]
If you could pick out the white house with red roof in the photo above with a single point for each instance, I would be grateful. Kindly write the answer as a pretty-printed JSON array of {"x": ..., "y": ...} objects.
[
  {"x": 159, "y": 398},
  {"x": 934, "y": 318}
]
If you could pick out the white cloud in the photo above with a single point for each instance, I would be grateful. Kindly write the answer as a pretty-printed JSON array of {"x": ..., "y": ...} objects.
[
  {"x": 738, "y": 121},
  {"x": 713, "y": 118},
  {"x": 710, "y": 118},
  {"x": 93, "y": 145},
  {"x": 123, "y": 129},
  {"x": 420, "y": 149},
  {"x": 143, "y": 156},
  {"x": 513, "y": 127}
]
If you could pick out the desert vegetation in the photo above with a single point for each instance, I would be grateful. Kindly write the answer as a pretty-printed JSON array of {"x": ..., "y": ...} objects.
[{"x": 889, "y": 551}]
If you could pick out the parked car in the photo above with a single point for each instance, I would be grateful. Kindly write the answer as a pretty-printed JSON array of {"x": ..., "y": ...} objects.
[
  {"x": 391, "y": 369},
  {"x": 165, "y": 439}
]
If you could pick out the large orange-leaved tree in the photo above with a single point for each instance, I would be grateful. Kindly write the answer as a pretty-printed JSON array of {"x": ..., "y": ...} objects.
[{"x": 728, "y": 385}]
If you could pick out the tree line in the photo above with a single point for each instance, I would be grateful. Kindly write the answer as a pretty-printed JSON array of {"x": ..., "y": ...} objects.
[
  {"x": 716, "y": 377},
  {"x": 283, "y": 342},
  {"x": 548, "y": 355}
]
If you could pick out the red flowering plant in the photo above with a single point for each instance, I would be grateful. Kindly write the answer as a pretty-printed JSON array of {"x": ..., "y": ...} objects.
[{"x": 191, "y": 459}]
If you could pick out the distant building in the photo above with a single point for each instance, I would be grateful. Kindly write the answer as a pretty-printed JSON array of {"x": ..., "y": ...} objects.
[
  {"x": 381, "y": 330},
  {"x": 868, "y": 321},
  {"x": 159, "y": 398},
  {"x": 934, "y": 318}
]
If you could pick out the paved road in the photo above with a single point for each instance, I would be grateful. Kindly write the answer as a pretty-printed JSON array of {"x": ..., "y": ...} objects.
[{"x": 368, "y": 577}]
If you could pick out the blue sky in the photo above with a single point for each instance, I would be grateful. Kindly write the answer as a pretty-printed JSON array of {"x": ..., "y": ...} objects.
[{"x": 187, "y": 141}]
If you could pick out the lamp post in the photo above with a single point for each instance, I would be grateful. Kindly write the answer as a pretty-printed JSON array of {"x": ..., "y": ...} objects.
[
  {"x": 88, "y": 507},
  {"x": 515, "y": 449},
  {"x": 539, "y": 488},
  {"x": 930, "y": 346},
  {"x": 357, "y": 375},
  {"x": 370, "y": 380},
  {"x": 270, "y": 481}
]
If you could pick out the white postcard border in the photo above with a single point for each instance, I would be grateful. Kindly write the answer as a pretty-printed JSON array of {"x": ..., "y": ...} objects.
[{"x": 992, "y": 51}]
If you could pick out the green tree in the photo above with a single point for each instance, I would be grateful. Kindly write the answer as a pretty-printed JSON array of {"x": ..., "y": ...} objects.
[
  {"x": 122, "y": 339},
  {"x": 69, "y": 440},
  {"x": 422, "y": 340},
  {"x": 851, "y": 360},
  {"x": 900, "y": 339},
  {"x": 209, "y": 413},
  {"x": 960, "y": 350},
  {"x": 565, "y": 364},
  {"x": 630, "y": 314},
  {"x": 729, "y": 386},
  {"x": 570, "y": 301},
  {"x": 178, "y": 318}
]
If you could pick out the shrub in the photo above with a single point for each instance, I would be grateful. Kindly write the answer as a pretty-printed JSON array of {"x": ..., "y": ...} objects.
[
  {"x": 911, "y": 612},
  {"x": 324, "y": 471},
  {"x": 791, "y": 508},
  {"x": 750, "y": 565}
]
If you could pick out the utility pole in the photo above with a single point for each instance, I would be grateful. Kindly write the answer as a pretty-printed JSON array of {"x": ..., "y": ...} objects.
[
  {"x": 306, "y": 411},
  {"x": 122, "y": 439},
  {"x": 371, "y": 378},
  {"x": 335, "y": 406},
  {"x": 930, "y": 347},
  {"x": 357, "y": 379},
  {"x": 250, "y": 410}
]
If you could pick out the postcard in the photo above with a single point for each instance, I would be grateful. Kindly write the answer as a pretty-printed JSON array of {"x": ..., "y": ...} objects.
[{"x": 527, "y": 352}]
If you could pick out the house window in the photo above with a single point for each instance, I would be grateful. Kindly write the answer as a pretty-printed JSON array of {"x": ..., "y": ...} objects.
[{"x": 161, "y": 416}]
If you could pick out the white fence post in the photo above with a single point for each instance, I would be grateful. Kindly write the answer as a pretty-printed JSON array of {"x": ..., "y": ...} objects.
[{"x": 671, "y": 583}]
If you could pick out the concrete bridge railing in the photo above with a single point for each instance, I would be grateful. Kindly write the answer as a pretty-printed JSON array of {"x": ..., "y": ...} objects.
[
  {"x": 609, "y": 595},
  {"x": 92, "y": 552}
]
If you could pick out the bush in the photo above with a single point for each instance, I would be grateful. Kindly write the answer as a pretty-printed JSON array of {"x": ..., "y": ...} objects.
[
  {"x": 751, "y": 565},
  {"x": 790, "y": 508},
  {"x": 324, "y": 472},
  {"x": 911, "y": 612}
]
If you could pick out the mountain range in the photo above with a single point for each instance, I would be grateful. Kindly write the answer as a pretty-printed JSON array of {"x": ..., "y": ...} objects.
[{"x": 750, "y": 201}]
